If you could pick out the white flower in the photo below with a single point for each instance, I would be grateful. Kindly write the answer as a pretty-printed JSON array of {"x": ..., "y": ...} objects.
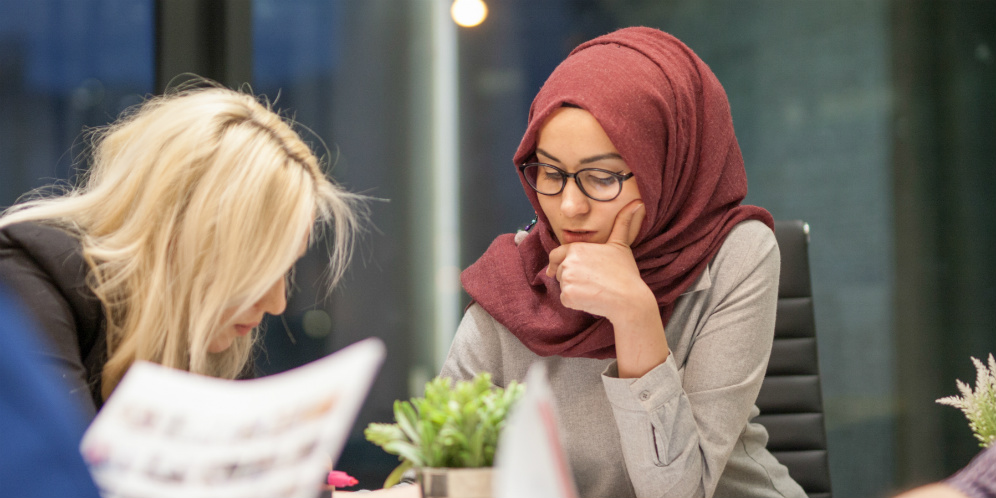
[{"x": 978, "y": 405}]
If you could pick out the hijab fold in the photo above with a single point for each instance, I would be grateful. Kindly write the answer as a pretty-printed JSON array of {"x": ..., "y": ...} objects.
[{"x": 669, "y": 118}]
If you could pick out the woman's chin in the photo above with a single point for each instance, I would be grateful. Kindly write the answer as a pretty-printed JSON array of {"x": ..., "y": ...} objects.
[{"x": 220, "y": 345}]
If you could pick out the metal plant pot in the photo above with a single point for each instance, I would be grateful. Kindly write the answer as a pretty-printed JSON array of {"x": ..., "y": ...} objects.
[{"x": 455, "y": 483}]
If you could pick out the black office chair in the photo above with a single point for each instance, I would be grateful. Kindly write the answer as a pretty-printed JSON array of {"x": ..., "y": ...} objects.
[{"x": 791, "y": 399}]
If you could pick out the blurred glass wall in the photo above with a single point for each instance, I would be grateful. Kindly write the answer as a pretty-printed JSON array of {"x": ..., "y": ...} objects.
[
  {"x": 65, "y": 65},
  {"x": 342, "y": 70}
]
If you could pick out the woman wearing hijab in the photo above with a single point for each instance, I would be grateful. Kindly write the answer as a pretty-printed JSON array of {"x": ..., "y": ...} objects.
[{"x": 645, "y": 284}]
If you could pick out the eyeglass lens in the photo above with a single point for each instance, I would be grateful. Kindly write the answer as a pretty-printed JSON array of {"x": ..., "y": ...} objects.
[{"x": 598, "y": 185}]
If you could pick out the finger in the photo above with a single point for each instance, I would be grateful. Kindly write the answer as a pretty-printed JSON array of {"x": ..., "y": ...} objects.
[
  {"x": 565, "y": 295},
  {"x": 556, "y": 258},
  {"x": 636, "y": 222},
  {"x": 565, "y": 300},
  {"x": 627, "y": 224}
]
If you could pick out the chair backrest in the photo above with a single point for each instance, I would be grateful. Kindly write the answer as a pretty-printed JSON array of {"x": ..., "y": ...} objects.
[{"x": 791, "y": 399}]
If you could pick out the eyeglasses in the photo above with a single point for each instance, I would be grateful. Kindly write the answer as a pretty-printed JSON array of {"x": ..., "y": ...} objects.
[{"x": 597, "y": 184}]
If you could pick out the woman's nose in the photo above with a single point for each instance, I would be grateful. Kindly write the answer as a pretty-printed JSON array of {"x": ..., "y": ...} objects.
[
  {"x": 274, "y": 301},
  {"x": 573, "y": 202}
]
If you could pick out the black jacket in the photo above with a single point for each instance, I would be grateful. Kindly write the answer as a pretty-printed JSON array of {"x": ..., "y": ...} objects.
[{"x": 44, "y": 266}]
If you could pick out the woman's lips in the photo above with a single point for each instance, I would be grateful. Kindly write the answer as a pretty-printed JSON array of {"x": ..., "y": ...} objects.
[
  {"x": 572, "y": 236},
  {"x": 243, "y": 329}
]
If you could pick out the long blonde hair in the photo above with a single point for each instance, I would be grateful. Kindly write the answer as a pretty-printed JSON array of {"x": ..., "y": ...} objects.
[{"x": 194, "y": 202}]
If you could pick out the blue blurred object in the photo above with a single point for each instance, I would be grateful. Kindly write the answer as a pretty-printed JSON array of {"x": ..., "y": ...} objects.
[{"x": 40, "y": 428}]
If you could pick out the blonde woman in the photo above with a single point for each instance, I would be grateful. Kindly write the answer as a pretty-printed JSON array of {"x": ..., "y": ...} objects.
[{"x": 177, "y": 242}]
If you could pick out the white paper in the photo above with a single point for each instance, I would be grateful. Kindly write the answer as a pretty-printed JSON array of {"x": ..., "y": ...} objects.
[
  {"x": 170, "y": 433},
  {"x": 530, "y": 459}
]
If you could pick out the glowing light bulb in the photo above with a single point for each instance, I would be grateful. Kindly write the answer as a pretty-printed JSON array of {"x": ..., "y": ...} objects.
[{"x": 468, "y": 13}]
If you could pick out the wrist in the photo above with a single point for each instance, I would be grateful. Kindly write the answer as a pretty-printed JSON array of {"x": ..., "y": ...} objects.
[
  {"x": 639, "y": 336},
  {"x": 636, "y": 311}
]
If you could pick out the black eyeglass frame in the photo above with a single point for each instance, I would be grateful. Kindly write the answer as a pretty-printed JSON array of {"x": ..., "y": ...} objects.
[{"x": 577, "y": 180}]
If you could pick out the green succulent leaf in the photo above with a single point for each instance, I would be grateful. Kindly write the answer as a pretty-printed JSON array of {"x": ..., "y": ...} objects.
[
  {"x": 452, "y": 425},
  {"x": 407, "y": 420},
  {"x": 381, "y": 434},
  {"x": 406, "y": 451},
  {"x": 395, "y": 476}
]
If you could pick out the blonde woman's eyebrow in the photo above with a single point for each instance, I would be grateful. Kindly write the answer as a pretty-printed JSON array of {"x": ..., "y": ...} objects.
[{"x": 587, "y": 160}]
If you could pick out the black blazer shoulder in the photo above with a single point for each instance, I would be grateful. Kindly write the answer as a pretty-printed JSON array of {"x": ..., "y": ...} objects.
[{"x": 44, "y": 266}]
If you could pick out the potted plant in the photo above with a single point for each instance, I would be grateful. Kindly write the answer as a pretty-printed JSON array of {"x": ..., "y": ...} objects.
[
  {"x": 449, "y": 436},
  {"x": 978, "y": 405}
]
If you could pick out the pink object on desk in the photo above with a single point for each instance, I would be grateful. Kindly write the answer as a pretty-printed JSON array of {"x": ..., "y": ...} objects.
[{"x": 340, "y": 479}]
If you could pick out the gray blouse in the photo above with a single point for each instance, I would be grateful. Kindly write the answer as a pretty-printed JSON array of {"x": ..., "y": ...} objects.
[{"x": 683, "y": 429}]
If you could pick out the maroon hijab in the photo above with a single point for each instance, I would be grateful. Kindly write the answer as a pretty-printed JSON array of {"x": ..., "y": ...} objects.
[{"x": 669, "y": 118}]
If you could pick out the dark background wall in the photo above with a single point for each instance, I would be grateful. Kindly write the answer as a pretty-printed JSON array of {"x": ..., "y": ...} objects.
[{"x": 943, "y": 174}]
